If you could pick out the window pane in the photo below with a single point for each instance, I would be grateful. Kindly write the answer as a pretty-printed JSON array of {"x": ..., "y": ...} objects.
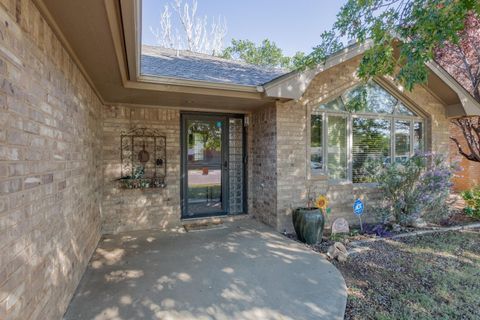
[
  {"x": 402, "y": 141},
  {"x": 335, "y": 105},
  {"x": 379, "y": 100},
  {"x": 369, "y": 98},
  {"x": 356, "y": 99},
  {"x": 371, "y": 146},
  {"x": 402, "y": 109},
  {"x": 316, "y": 144},
  {"x": 337, "y": 147},
  {"x": 418, "y": 137}
]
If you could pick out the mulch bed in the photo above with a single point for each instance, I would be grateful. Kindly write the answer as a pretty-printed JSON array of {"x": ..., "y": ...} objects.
[
  {"x": 458, "y": 218},
  {"x": 422, "y": 277},
  {"x": 413, "y": 277}
]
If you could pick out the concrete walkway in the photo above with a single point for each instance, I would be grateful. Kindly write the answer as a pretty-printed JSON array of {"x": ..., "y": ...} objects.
[{"x": 242, "y": 270}]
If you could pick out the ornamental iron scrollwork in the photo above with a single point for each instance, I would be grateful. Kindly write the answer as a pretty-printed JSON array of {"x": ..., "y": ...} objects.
[{"x": 143, "y": 158}]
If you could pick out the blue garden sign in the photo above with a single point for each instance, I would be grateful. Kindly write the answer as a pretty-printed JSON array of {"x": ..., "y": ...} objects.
[
  {"x": 358, "y": 207},
  {"x": 358, "y": 211}
]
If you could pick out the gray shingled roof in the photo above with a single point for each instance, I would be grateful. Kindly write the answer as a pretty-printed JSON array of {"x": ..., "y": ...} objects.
[{"x": 161, "y": 62}]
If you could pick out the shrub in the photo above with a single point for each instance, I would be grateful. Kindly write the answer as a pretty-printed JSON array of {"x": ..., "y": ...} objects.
[
  {"x": 417, "y": 187},
  {"x": 472, "y": 201}
]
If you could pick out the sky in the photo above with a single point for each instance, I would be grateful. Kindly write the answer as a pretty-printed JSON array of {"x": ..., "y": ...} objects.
[{"x": 294, "y": 25}]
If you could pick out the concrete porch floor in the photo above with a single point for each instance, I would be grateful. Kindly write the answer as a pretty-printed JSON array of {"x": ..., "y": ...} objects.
[{"x": 243, "y": 270}]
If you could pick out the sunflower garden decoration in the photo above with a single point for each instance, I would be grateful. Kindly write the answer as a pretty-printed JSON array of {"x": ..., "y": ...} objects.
[
  {"x": 309, "y": 222},
  {"x": 322, "y": 204}
]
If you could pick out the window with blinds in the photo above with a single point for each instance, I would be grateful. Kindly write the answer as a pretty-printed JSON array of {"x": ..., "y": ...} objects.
[
  {"x": 364, "y": 127},
  {"x": 371, "y": 145},
  {"x": 316, "y": 143},
  {"x": 337, "y": 147}
]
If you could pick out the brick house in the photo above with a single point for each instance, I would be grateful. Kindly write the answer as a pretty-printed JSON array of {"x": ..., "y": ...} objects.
[
  {"x": 81, "y": 100},
  {"x": 469, "y": 175}
]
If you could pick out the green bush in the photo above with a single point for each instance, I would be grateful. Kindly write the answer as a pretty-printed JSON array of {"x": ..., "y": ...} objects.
[{"x": 472, "y": 201}]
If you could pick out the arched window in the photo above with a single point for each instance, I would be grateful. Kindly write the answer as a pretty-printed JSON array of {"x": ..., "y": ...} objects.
[{"x": 363, "y": 126}]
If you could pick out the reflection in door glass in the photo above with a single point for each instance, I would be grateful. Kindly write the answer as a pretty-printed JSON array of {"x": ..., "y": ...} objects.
[
  {"x": 204, "y": 166},
  {"x": 204, "y": 141}
]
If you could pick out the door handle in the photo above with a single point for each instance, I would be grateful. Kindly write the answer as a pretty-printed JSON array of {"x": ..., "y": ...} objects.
[{"x": 225, "y": 164}]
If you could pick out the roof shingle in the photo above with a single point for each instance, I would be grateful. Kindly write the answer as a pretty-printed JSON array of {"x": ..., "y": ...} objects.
[{"x": 161, "y": 62}]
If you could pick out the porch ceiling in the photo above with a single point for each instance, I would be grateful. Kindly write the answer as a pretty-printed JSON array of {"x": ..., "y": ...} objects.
[{"x": 87, "y": 31}]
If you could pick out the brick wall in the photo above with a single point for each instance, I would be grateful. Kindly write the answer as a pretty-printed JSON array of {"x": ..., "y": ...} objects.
[
  {"x": 469, "y": 176},
  {"x": 291, "y": 159},
  {"x": 294, "y": 184},
  {"x": 262, "y": 155},
  {"x": 134, "y": 209},
  {"x": 50, "y": 168}
]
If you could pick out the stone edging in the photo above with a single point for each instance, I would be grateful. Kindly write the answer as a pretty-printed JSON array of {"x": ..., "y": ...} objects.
[{"x": 355, "y": 244}]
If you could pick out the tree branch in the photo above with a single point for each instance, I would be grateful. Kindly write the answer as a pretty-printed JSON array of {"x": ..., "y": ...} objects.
[{"x": 460, "y": 150}]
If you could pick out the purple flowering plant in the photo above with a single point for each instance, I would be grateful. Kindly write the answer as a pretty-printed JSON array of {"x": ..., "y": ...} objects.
[{"x": 414, "y": 188}]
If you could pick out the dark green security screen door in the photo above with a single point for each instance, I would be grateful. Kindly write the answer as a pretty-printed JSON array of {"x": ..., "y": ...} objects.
[{"x": 207, "y": 169}]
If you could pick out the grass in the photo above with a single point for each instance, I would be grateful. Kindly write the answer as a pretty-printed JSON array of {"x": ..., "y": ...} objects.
[{"x": 435, "y": 276}]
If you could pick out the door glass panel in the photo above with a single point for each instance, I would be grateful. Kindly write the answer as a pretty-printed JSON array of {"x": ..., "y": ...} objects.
[
  {"x": 204, "y": 190},
  {"x": 235, "y": 166},
  {"x": 204, "y": 142},
  {"x": 204, "y": 166}
]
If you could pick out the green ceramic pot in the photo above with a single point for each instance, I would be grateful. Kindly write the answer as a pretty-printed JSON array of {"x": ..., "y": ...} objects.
[{"x": 308, "y": 224}]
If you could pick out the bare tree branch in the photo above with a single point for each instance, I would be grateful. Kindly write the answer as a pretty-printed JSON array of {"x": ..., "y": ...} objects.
[
  {"x": 194, "y": 34},
  {"x": 471, "y": 133}
]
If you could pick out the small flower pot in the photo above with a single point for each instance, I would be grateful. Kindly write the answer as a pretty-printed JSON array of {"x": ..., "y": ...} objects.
[{"x": 308, "y": 224}]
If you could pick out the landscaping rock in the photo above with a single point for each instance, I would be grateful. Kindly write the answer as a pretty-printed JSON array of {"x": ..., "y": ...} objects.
[
  {"x": 342, "y": 257},
  {"x": 419, "y": 223},
  {"x": 338, "y": 251},
  {"x": 340, "y": 225},
  {"x": 396, "y": 227}
]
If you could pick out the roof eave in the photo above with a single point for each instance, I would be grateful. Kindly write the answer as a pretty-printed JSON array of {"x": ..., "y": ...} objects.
[
  {"x": 199, "y": 83},
  {"x": 470, "y": 106},
  {"x": 294, "y": 84}
]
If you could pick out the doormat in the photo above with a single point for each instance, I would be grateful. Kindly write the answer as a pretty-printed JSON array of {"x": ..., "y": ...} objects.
[{"x": 199, "y": 226}]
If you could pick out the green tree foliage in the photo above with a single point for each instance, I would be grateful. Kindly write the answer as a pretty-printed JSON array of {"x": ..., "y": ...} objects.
[
  {"x": 421, "y": 25},
  {"x": 207, "y": 132},
  {"x": 267, "y": 54},
  {"x": 472, "y": 201}
]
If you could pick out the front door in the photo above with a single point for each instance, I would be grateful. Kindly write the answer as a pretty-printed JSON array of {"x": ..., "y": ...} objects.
[{"x": 209, "y": 166}]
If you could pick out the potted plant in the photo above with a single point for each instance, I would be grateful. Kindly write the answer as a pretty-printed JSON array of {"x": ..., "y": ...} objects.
[
  {"x": 134, "y": 181},
  {"x": 309, "y": 222}
]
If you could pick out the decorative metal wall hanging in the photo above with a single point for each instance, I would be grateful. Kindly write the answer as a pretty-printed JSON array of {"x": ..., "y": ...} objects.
[{"x": 144, "y": 158}]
